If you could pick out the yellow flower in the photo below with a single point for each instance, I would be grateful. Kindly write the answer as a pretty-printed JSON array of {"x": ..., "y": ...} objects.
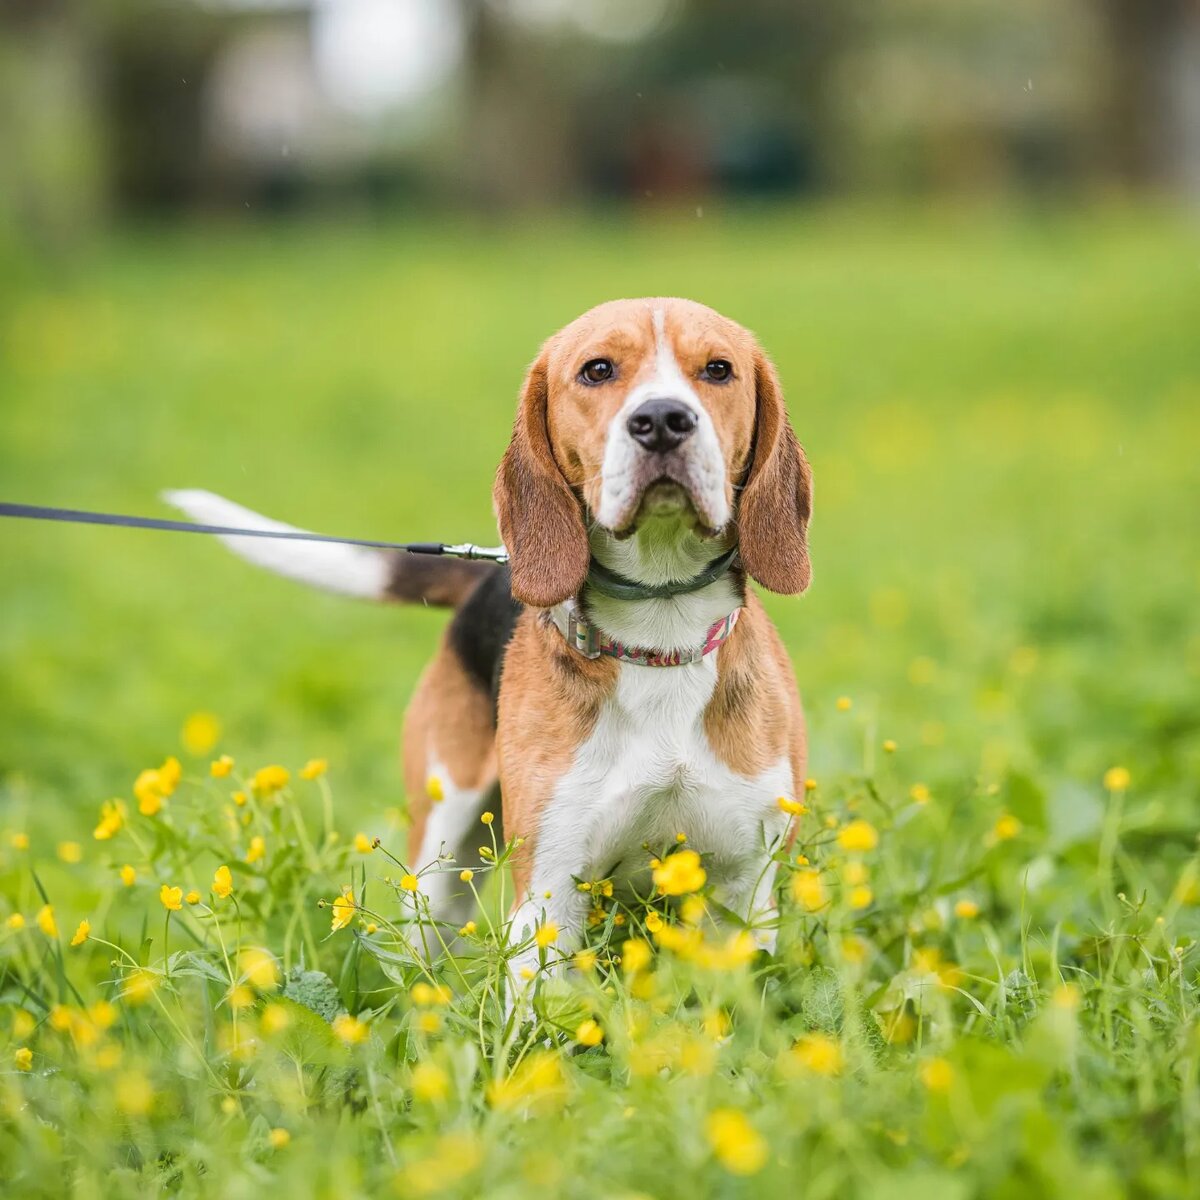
[
  {"x": 171, "y": 897},
  {"x": 23, "y": 1058},
  {"x": 589, "y": 1033},
  {"x": 810, "y": 785},
  {"x": 350, "y": 1029},
  {"x": 937, "y": 1074},
  {"x": 128, "y": 875},
  {"x": 889, "y": 746},
  {"x": 654, "y": 921},
  {"x": 858, "y": 835},
  {"x": 222, "y": 883},
  {"x": 536, "y": 1082},
  {"x": 275, "y": 1019},
  {"x": 240, "y": 996},
  {"x": 221, "y": 768},
  {"x": 269, "y": 780},
  {"x": 259, "y": 968},
  {"x": 808, "y": 889},
  {"x": 860, "y": 897},
  {"x": 736, "y": 1144},
  {"x": 410, "y": 883},
  {"x": 844, "y": 704},
  {"x": 429, "y": 995},
  {"x": 854, "y": 873},
  {"x": 193, "y": 897},
  {"x": 1066, "y": 996},
  {"x": 343, "y": 909},
  {"x": 134, "y": 1094},
  {"x": 46, "y": 922},
  {"x": 82, "y": 933},
  {"x": 257, "y": 850},
  {"x": 792, "y": 807},
  {"x": 278, "y": 1137},
  {"x": 23, "y": 1024},
  {"x": 200, "y": 733},
  {"x": 362, "y": 843},
  {"x": 430, "y": 1083},
  {"x": 1116, "y": 779},
  {"x": 488, "y": 818},
  {"x": 434, "y": 789},
  {"x": 140, "y": 986},
  {"x": 314, "y": 768},
  {"x": 429, "y": 1022},
  {"x": 15, "y": 922},
  {"x": 19, "y": 841},
  {"x": 469, "y": 928},
  {"x": 112, "y": 817},
  {"x": 585, "y": 960},
  {"x": 70, "y": 852},
  {"x": 241, "y": 799},
  {"x": 1006, "y": 828},
  {"x": 635, "y": 956},
  {"x": 919, "y": 793},
  {"x": 467, "y": 875},
  {"x": 154, "y": 786},
  {"x": 818, "y": 1053},
  {"x": 680, "y": 874},
  {"x": 966, "y": 910},
  {"x": 546, "y": 935}
]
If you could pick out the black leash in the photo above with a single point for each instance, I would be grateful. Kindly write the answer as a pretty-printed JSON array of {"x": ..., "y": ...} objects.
[{"x": 75, "y": 516}]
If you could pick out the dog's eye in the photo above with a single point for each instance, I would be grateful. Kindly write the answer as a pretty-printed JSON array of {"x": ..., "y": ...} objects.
[
  {"x": 597, "y": 370},
  {"x": 717, "y": 370}
]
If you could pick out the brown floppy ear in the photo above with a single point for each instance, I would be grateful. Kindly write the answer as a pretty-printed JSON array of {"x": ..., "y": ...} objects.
[
  {"x": 540, "y": 519},
  {"x": 776, "y": 501}
]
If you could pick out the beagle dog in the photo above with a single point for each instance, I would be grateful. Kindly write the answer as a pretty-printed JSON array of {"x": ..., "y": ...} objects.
[{"x": 617, "y": 682}]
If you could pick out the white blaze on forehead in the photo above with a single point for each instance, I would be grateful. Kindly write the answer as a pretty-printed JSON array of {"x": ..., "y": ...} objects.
[{"x": 621, "y": 487}]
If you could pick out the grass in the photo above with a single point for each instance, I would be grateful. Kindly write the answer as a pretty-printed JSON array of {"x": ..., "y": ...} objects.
[{"x": 1002, "y": 411}]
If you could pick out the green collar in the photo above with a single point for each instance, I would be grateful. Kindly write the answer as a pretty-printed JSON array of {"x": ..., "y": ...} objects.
[{"x": 608, "y": 583}]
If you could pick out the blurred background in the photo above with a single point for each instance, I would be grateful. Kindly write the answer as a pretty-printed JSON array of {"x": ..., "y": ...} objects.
[
  {"x": 299, "y": 252},
  {"x": 179, "y": 107}
]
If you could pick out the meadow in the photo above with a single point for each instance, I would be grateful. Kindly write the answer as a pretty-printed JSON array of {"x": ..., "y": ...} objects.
[{"x": 217, "y": 976}]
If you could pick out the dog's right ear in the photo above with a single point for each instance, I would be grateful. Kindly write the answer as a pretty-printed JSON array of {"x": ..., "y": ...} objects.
[{"x": 540, "y": 519}]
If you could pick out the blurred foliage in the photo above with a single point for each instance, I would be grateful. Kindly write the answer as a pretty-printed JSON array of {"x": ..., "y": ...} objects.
[{"x": 1001, "y": 410}]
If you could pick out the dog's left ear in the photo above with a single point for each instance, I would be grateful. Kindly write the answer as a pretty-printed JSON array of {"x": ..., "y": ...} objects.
[
  {"x": 776, "y": 502},
  {"x": 540, "y": 519}
]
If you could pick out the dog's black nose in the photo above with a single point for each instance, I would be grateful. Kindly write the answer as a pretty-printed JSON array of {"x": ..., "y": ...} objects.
[{"x": 661, "y": 425}]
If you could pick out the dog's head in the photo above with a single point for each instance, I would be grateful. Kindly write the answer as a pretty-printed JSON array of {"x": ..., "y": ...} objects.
[{"x": 642, "y": 408}]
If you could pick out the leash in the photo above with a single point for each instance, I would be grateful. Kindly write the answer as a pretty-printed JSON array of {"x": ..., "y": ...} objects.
[{"x": 75, "y": 516}]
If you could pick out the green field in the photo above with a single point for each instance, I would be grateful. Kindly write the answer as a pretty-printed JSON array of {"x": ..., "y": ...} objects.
[{"x": 1002, "y": 410}]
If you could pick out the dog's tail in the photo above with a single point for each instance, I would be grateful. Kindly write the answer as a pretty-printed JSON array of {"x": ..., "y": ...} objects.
[{"x": 349, "y": 570}]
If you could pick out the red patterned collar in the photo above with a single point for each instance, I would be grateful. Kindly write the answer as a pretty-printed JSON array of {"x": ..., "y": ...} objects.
[{"x": 591, "y": 642}]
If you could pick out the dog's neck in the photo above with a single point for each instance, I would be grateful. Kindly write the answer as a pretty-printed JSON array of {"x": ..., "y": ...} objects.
[{"x": 662, "y": 550}]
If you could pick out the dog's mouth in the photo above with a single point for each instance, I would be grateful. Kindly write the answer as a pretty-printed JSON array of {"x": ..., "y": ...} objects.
[{"x": 666, "y": 498}]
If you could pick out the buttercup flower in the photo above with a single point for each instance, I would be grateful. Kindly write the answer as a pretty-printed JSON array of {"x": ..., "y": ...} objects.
[
  {"x": 429, "y": 995},
  {"x": 966, "y": 909},
  {"x": 808, "y": 889},
  {"x": 82, "y": 933},
  {"x": 46, "y": 922},
  {"x": 200, "y": 732},
  {"x": 314, "y": 768},
  {"x": 635, "y": 956},
  {"x": 15, "y": 921},
  {"x": 736, "y": 1144},
  {"x": 819, "y": 1053},
  {"x": 171, "y": 897},
  {"x": 589, "y": 1033},
  {"x": 362, "y": 843},
  {"x": 844, "y": 704},
  {"x": 409, "y": 882},
  {"x": 278, "y": 1138},
  {"x": 919, "y": 793},
  {"x": 430, "y": 1083},
  {"x": 792, "y": 807},
  {"x": 221, "y": 768},
  {"x": 153, "y": 787},
  {"x": 343, "y": 909},
  {"x": 222, "y": 883},
  {"x": 937, "y": 1074},
  {"x": 259, "y": 968},
  {"x": 257, "y": 850},
  {"x": 128, "y": 875},
  {"x": 112, "y": 817},
  {"x": 23, "y": 1058},
  {"x": 1116, "y": 779},
  {"x": 1006, "y": 828},
  {"x": 193, "y": 897},
  {"x": 546, "y": 935},
  {"x": 467, "y": 875},
  {"x": 680, "y": 873},
  {"x": 69, "y": 852},
  {"x": 269, "y": 780},
  {"x": 19, "y": 841},
  {"x": 858, "y": 835},
  {"x": 350, "y": 1029}
]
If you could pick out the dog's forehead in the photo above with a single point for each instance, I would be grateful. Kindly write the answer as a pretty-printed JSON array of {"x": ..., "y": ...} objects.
[{"x": 642, "y": 323}]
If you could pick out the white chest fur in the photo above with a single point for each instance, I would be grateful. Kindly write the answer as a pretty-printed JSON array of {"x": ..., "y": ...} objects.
[{"x": 648, "y": 773}]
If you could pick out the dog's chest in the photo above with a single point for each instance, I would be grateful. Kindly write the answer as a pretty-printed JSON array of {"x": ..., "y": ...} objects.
[{"x": 648, "y": 773}]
